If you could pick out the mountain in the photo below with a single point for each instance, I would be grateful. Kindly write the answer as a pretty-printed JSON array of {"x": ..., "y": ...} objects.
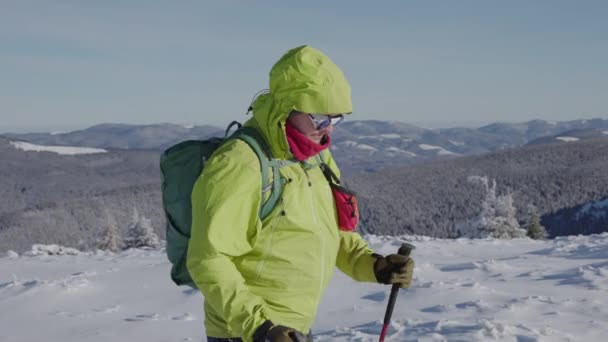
[
  {"x": 368, "y": 145},
  {"x": 122, "y": 136},
  {"x": 376, "y": 145},
  {"x": 436, "y": 197},
  {"x": 55, "y": 197},
  {"x": 572, "y": 135},
  {"x": 50, "y": 196}
]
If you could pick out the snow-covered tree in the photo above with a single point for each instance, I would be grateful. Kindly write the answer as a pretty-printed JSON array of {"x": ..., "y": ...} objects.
[
  {"x": 110, "y": 239},
  {"x": 534, "y": 229},
  {"x": 140, "y": 233},
  {"x": 498, "y": 215}
]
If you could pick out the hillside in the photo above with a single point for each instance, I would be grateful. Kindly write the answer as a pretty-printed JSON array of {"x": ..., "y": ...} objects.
[
  {"x": 435, "y": 198},
  {"x": 56, "y": 198},
  {"x": 50, "y": 197},
  {"x": 369, "y": 145}
]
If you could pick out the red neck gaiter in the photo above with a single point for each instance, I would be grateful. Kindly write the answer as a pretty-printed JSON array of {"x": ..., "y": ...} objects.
[{"x": 301, "y": 147}]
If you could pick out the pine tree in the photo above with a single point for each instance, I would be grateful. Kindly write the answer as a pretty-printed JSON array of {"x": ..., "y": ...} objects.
[
  {"x": 498, "y": 215},
  {"x": 535, "y": 229},
  {"x": 110, "y": 239},
  {"x": 140, "y": 233}
]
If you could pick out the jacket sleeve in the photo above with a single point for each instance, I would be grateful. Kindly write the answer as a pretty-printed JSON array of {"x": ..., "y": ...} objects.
[
  {"x": 355, "y": 258},
  {"x": 225, "y": 221}
]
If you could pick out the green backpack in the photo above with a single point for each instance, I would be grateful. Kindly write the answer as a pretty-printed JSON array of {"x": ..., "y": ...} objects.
[{"x": 181, "y": 165}]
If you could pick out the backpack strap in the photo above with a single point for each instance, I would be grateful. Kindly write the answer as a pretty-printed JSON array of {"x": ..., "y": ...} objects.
[
  {"x": 329, "y": 174},
  {"x": 232, "y": 124},
  {"x": 257, "y": 143}
]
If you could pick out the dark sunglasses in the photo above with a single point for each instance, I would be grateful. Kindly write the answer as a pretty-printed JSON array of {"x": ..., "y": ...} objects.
[{"x": 321, "y": 121}]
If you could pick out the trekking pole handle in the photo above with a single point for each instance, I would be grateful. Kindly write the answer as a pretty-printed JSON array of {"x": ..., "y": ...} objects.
[{"x": 405, "y": 249}]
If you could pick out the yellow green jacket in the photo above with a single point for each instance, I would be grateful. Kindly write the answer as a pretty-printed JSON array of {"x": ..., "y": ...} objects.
[{"x": 251, "y": 270}]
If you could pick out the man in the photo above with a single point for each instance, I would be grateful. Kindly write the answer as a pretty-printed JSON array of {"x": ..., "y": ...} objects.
[{"x": 263, "y": 280}]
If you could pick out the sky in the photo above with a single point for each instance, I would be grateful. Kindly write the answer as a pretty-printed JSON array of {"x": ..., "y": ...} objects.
[
  {"x": 463, "y": 290},
  {"x": 69, "y": 63}
]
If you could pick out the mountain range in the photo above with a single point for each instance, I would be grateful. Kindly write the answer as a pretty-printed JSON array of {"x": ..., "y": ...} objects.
[
  {"x": 359, "y": 145},
  {"x": 410, "y": 179}
]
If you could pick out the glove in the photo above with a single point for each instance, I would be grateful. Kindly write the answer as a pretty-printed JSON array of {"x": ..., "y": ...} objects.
[
  {"x": 268, "y": 332},
  {"x": 394, "y": 269}
]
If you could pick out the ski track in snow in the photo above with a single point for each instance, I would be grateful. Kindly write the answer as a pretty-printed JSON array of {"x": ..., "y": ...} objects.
[{"x": 463, "y": 290}]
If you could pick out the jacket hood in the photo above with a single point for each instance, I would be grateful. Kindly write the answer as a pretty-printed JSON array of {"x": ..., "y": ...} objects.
[{"x": 306, "y": 80}]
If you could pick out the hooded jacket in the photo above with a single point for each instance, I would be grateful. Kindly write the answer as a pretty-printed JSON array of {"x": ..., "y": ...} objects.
[{"x": 249, "y": 270}]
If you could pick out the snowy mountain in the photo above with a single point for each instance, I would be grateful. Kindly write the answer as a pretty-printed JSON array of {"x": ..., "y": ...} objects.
[
  {"x": 572, "y": 135},
  {"x": 121, "y": 136},
  {"x": 61, "y": 194},
  {"x": 436, "y": 198},
  {"x": 463, "y": 290},
  {"x": 359, "y": 145},
  {"x": 65, "y": 199}
]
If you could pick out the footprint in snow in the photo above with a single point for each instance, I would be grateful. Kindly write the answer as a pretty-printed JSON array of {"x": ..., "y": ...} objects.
[
  {"x": 190, "y": 292},
  {"x": 184, "y": 317},
  {"x": 143, "y": 317},
  {"x": 376, "y": 296},
  {"x": 438, "y": 308},
  {"x": 155, "y": 317}
]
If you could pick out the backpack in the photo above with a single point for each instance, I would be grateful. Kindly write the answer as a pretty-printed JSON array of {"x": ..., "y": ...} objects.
[{"x": 181, "y": 165}]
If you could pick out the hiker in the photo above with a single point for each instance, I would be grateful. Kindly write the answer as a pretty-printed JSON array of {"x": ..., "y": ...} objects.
[{"x": 263, "y": 279}]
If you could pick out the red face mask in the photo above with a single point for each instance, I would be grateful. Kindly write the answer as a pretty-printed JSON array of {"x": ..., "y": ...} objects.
[{"x": 301, "y": 147}]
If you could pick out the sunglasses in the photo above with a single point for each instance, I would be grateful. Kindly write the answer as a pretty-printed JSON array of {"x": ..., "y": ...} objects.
[{"x": 321, "y": 121}]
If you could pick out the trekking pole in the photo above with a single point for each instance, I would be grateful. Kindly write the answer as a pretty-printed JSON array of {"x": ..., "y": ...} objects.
[{"x": 405, "y": 249}]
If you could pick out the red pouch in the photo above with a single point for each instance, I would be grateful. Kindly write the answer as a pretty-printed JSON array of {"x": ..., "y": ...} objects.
[{"x": 346, "y": 202}]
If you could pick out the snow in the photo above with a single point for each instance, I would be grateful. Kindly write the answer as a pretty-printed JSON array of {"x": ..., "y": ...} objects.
[
  {"x": 427, "y": 147},
  {"x": 457, "y": 143},
  {"x": 381, "y": 136},
  {"x": 604, "y": 132},
  {"x": 366, "y": 147},
  {"x": 348, "y": 143},
  {"x": 390, "y": 136},
  {"x": 38, "y": 249},
  {"x": 189, "y": 126},
  {"x": 393, "y": 150},
  {"x": 12, "y": 255},
  {"x": 68, "y": 150},
  {"x": 440, "y": 150},
  {"x": 444, "y": 152},
  {"x": 567, "y": 139},
  {"x": 597, "y": 209},
  {"x": 463, "y": 290}
]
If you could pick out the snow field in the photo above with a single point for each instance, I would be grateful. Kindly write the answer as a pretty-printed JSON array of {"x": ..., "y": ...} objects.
[{"x": 463, "y": 290}]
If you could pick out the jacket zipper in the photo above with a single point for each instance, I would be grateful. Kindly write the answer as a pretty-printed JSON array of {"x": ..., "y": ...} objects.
[{"x": 316, "y": 223}]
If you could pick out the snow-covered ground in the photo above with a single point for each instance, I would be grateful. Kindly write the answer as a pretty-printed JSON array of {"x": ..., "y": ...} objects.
[
  {"x": 567, "y": 139},
  {"x": 69, "y": 150},
  {"x": 440, "y": 150},
  {"x": 464, "y": 290}
]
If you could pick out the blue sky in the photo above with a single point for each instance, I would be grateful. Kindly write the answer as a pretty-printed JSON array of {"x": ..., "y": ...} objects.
[{"x": 439, "y": 63}]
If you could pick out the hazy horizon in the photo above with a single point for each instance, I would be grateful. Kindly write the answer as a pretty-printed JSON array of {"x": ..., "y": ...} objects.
[{"x": 38, "y": 128}]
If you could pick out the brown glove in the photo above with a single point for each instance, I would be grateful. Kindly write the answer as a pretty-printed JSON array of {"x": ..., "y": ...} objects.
[
  {"x": 394, "y": 269},
  {"x": 268, "y": 332}
]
